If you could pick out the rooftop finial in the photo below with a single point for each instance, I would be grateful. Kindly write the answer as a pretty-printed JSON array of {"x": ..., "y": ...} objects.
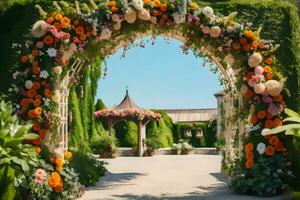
[{"x": 126, "y": 90}]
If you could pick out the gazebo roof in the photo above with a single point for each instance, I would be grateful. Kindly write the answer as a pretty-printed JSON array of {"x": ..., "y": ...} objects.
[{"x": 127, "y": 104}]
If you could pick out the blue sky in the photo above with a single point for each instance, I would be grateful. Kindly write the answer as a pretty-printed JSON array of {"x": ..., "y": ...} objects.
[{"x": 159, "y": 76}]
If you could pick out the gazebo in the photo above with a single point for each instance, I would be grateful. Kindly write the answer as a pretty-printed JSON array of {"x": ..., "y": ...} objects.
[{"x": 128, "y": 110}]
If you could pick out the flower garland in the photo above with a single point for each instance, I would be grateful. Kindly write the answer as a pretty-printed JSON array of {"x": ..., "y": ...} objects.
[
  {"x": 135, "y": 113},
  {"x": 57, "y": 37}
]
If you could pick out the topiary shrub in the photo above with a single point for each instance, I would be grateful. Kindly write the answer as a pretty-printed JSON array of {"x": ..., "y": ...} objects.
[{"x": 126, "y": 133}]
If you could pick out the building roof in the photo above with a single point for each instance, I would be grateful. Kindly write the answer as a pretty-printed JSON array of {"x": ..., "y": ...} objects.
[
  {"x": 221, "y": 93},
  {"x": 192, "y": 115},
  {"x": 127, "y": 104}
]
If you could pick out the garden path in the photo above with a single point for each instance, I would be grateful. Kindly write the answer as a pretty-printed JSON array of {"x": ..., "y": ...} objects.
[{"x": 167, "y": 177}]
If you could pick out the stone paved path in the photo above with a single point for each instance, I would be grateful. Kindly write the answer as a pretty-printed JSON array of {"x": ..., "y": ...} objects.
[{"x": 170, "y": 177}]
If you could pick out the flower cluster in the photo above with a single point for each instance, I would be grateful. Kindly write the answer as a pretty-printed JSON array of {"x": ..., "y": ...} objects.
[
  {"x": 40, "y": 176},
  {"x": 55, "y": 182},
  {"x": 140, "y": 114}
]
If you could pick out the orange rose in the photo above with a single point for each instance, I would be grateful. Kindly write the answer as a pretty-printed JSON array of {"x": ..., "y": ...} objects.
[
  {"x": 147, "y": 2},
  {"x": 114, "y": 9},
  {"x": 38, "y": 111},
  {"x": 48, "y": 93},
  {"x": 246, "y": 47},
  {"x": 36, "y": 126},
  {"x": 249, "y": 155},
  {"x": 268, "y": 124},
  {"x": 269, "y": 76},
  {"x": 156, "y": 3},
  {"x": 58, "y": 189},
  {"x": 36, "y": 70},
  {"x": 273, "y": 140},
  {"x": 36, "y": 85},
  {"x": 31, "y": 114},
  {"x": 262, "y": 114},
  {"x": 58, "y": 26},
  {"x": 249, "y": 147},
  {"x": 277, "y": 122},
  {"x": 267, "y": 68},
  {"x": 65, "y": 22},
  {"x": 37, "y": 102},
  {"x": 243, "y": 40},
  {"x": 31, "y": 93},
  {"x": 79, "y": 30},
  {"x": 24, "y": 102},
  {"x": 35, "y": 53},
  {"x": 261, "y": 45},
  {"x": 51, "y": 182},
  {"x": 253, "y": 119},
  {"x": 270, "y": 150},
  {"x": 249, "y": 34},
  {"x": 24, "y": 59},
  {"x": 48, "y": 40},
  {"x": 249, "y": 164},
  {"x": 254, "y": 44},
  {"x": 269, "y": 60},
  {"x": 58, "y": 17},
  {"x": 42, "y": 133},
  {"x": 163, "y": 7},
  {"x": 37, "y": 149},
  {"x": 111, "y": 3},
  {"x": 50, "y": 20}
]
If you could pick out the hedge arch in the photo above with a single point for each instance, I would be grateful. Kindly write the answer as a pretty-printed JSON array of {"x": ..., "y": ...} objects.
[{"x": 68, "y": 38}]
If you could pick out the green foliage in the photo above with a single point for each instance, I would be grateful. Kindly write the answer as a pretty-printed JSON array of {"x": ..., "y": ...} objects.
[
  {"x": 89, "y": 169},
  {"x": 105, "y": 145},
  {"x": 100, "y": 105},
  {"x": 126, "y": 132},
  {"x": 15, "y": 157}
]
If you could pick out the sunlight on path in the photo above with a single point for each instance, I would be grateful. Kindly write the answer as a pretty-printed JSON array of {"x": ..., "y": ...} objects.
[{"x": 164, "y": 177}]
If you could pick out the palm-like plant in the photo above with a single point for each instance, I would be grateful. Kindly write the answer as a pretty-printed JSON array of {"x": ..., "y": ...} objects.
[
  {"x": 15, "y": 157},
  {"x": 291, "y": 128}
]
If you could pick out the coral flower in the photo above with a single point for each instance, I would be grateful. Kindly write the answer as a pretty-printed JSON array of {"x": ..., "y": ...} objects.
[
  {"x": 254, "y": 119},
  {"x": 114, "y": 9},
  {"x": 36, "y": 126},
  {"x": 35, "y": 53},
  {"x": 24, "y": 102},
  {"x": 58, "y": 26},
  {"x": 243, "y": 40},
  {"x": 156, "y": 3},
  {"x": 79, "y": 30},
  {"x": 67, "y": 36},
  {"x": 37, "y": 141},
  {"x": 269, "y": 76},
  {"x": 24, "y": 59},
  {"x": 48, "y": 93},
  {"x": 48, "y": 40},
  {"x": 31, "y": 93},
  {"x": 50, "y": 20},
  {"x": 37, "y": 149},
  {"x": 249, "y": 94},
  {"x": 267, "y": 68},
  {"x": 249, "y": 155},
  {"x": 268, "y": 124},
  {"x": 31, "y": 114},
  {"x": 270, "y": 150},
  {"x": 82, "y": 37},
  {"x": 279, "y": 146},
  {"x": 274, "y": 140},
  {"x": 278, "y": 98},
  {"x": 58, "y": 189},
  {"x": 42, "y": 133},
  {"x": 147, "y": 2},
  {"x": 261, "y": 45},
  {"x": 249, "y": 147},
  {"x": 65, "y": 22},
  {"x": 111, "y": 3},
  {"x": 38, "y": 110},
  {"x": 36, "y": 70},
  {"x": 36, "y": 85},
  {"x": 163, "y": 7},
  {"x": 277, "y": 122},
  {"x": 37, "y": 102},
  {"x": 246, "y": 47},
  {"x": 250, "y": 75},
  {"x": 262, "y": 114},
  {"x": 269, "y": 60},
  {"x": 254, "y": 44},
  {"x": 249, "y": 164}
]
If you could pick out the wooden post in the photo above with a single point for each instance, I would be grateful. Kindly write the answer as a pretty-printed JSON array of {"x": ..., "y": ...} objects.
[
  {"x": 110, "y": 126},
  {"x": 140, "y": 142}
]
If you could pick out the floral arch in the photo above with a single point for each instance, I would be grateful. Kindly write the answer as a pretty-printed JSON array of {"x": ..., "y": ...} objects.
[{"x": 71, "y": 36}]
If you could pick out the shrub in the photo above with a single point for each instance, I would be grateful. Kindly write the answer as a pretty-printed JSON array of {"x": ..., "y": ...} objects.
[
  {"x": 89, "y": 169},
  {"x": 126, "y": 132},
  {"x": 105, "y": 145}
]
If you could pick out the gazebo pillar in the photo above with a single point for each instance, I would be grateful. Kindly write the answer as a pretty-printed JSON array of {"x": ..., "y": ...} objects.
[
  {"x": 140, "y": 139},
  {"x": 110, "y": 126}
]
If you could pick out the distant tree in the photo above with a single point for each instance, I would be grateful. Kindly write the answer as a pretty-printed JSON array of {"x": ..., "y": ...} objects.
[{"x": 100, "y": 105}]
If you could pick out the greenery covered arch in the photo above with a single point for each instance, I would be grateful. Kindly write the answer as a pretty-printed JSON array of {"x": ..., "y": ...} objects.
[{"x": 47, "y": 56}]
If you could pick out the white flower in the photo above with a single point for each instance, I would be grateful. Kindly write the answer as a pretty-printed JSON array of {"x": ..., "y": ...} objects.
[
  {"x": 10, "y": 90},
  {"x": 39, "y": 29},
  {"x": 138, "y": 4},
  {"x": 215, "y": 31},
  {"x": 28, "y": 84},
  {"x": 130, "y": 15},
  {"x": 274, "y": 87},
  {"x": 229, "y": 29},
  {"x": 178, "y": 18},
  {"x": 208, "y": 11},
  {"x": 46, "y": 101},
  {"x": 57, "y": 69},
  {"x": 52, "y": 52},
  {"x": 44, "y": 74},
  {"x": 105, "y": 34},
  {"x": 261, "y": 148},
  {"x": 254, "y": 60}
]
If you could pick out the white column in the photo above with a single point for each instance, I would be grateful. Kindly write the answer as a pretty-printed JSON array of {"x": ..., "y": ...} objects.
[{"x": 219, "y": 98}]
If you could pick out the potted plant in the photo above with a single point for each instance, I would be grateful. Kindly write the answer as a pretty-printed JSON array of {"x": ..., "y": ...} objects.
[
  {"x": 152, "y": 144},
  {"x": 185, "y": 148},
  {"x": 176, "y": 149},
  {"x": 105, "y": 146}
]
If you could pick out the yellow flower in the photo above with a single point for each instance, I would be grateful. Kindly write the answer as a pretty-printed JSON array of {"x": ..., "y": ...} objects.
[
  {"x": 68, "y": 154},
  {"x": 59, "y": 161},
  {"x": 156, "y": 3},
  {"x": 193, "y": 5}
]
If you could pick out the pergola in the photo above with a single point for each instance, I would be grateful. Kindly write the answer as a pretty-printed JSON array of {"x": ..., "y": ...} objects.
[{"x": 128, "y": 110}]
